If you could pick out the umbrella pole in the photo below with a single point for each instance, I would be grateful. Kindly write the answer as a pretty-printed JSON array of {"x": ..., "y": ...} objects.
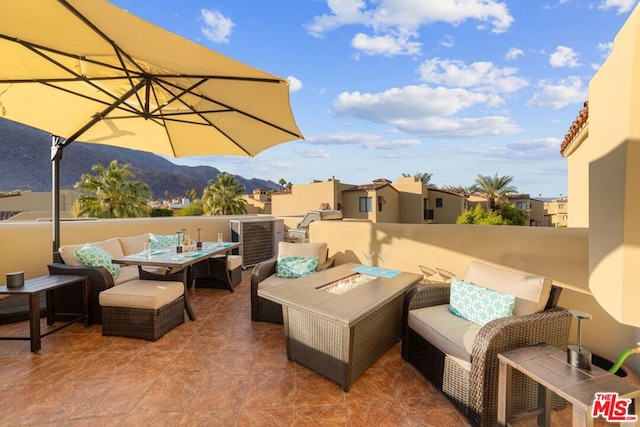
[{"x": 56, "y": 156}]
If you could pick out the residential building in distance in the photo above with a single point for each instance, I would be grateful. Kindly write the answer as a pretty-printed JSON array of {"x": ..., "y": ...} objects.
[
  {"x": 258, "y": 202},
  {"x": 407, "y": 201},
  {"x": 377, "y": 202},
  {"x": 302, "y": 198},
  {"x": 557, "y": 212},
  {"x": 535, "y": 208}
]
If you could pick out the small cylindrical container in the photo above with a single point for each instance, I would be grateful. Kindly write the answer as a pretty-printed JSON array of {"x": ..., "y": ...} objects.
[{"x": 15, "y": 279}]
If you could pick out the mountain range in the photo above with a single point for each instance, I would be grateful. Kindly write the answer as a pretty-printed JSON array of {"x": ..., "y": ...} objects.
[{"x": 25, "y": 165}]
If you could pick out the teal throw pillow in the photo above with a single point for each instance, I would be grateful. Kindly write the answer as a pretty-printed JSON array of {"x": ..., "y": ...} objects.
[
  {"x": 293, "y": 266},
  {"x": 159, "y": 241},
  {"x": 95, "y": 256},
  {"x": 477, "y": 304}
]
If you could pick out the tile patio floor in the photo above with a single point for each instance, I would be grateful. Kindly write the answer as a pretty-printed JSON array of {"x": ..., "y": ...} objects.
[{"x": 220, "y": 370}]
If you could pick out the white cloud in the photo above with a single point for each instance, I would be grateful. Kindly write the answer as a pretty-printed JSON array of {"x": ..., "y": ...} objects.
[
  {"x": 294, "y": 84},
  {"x": 605, "y": 48},
  {"x": 425, "y": 111},
  {"x": 513, "y": 53},
  {"x": 313, "y": 153},
  {"x": 564, "y": 57},
  {"x": 408, "y": 102},
  {"x": 392, "y": 145},
  {"x": 388, "y": 45},
  {"x": 622, "y": 5},
  {"x": 483, "y": 76},
  {"x": 217, "y": 27},
  {"x": 365, "y": 140},
  {"x": 398, "y": 21},
  {"x": 447, "y": 41},
  {"x": 566, "y": 92},
  {"x": 526, "y": 150},
  {"x": 444, "y": 127}
]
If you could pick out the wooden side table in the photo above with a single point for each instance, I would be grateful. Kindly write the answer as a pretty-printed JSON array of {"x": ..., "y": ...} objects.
[
  {"x": 546, "y": 364},
  {"x": 32, "y": 288}
]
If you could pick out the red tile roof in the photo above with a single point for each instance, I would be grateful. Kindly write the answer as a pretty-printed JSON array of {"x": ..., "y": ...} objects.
[{"x": 577, "y": 125}]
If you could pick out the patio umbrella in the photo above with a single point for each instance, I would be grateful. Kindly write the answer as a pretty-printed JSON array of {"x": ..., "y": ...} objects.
[{"x": 87, "y": 70}]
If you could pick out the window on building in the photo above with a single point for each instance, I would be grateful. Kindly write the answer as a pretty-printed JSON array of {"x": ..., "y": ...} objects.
[
  {"x": 381, "y": 201},
  {"x": 430, "y": 214},
  {"x": 425, "y": 206},
  {"x": 365, "y": 204},
  {"x": 522, "y": 206},
  {"x": 560, "y": 205},
  {"x": 439, "y": 202}
]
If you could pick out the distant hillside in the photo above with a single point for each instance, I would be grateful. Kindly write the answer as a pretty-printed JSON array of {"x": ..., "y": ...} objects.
[{"x": 25, "y": 165}]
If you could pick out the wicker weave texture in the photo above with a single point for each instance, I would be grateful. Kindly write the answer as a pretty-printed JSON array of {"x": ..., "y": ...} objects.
[
  {"x": 338, "y": 352},
  {"x": 475, "y": 390},
  {"x": 147, "y": 324}
]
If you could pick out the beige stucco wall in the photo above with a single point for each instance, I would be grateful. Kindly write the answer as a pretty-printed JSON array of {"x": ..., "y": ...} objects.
[
  {"x": 578, "y": 187},
  {"x": 558, "y": 253},
  {"x": 390, "y": 211},
  {"x": 561, "y": 254},
  {"x": 411, "y": 200},
  {"x": 611, "y": 157},
  {"x": 37, "y": 201},
  {"x": 452, "y": 207},
  {"x": 306, "y": 197}
]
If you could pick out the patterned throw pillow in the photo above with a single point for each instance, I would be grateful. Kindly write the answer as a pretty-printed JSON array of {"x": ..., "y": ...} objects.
[
  {"x": 477, "y": 304},
  {"x": 95, "y": 256},
  {"x": 293, "y": 266},
  {"x": 159, "y": 241}
]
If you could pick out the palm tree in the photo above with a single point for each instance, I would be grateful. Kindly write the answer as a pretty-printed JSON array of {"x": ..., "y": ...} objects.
[
  {"x": 111, "y": 194},
  {"x": 284, "y": 184},
  {"x": 424, "y": 177},
  {"x": 494, "y": 188},
  {"x": 224, "y": 197}
]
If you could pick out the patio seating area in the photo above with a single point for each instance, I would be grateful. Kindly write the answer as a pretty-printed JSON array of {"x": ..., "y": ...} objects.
[{"x": 220, "y": 369}]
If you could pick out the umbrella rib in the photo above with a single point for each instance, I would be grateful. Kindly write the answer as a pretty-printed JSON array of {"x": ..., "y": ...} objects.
[
  {"x": 126, "y": 107},
  {"x": 99, "y": 116},
  {"x": 229, "y": 108}
]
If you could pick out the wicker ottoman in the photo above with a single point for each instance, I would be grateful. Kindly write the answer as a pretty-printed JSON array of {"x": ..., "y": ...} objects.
[
  {"x": 145, "y": 309},
  {"x": 216, "y": 276}
]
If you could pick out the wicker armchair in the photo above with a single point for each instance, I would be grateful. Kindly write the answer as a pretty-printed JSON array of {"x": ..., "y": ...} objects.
[
  {"x": 67, "y": 299},
  {"x": 475, "y": 389},
  {"x": 263, "y": 310}
]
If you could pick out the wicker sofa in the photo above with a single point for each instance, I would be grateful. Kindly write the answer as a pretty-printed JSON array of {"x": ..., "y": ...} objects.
[
  {"x": 264, "y": 275},
  {"x": 460, "y": 357},
  {"x": 65, "y": 262}
]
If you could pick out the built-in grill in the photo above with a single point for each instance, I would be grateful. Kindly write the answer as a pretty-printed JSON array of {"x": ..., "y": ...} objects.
[{"x": 301, "y": 232}]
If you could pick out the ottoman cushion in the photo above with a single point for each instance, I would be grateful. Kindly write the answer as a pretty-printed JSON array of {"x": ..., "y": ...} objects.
[{"x": 149, "y": 294}]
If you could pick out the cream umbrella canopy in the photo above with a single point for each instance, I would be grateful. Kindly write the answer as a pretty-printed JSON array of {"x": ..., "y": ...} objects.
[{"x": 87, "y": 70}]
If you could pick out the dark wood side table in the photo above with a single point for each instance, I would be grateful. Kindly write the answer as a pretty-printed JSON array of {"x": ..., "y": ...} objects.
[
  {"x": 32, "y": 288},
  {"x": 546, "y": 364}
]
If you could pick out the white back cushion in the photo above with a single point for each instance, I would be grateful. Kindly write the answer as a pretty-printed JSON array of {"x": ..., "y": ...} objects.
[
  {"x": 111, "y": 246},
  {"x": 531, "y": 291},
  {"x": 66, "y": 253},
  {"x": 133, "y": 244},
  {"x": 304, "y": 250}
]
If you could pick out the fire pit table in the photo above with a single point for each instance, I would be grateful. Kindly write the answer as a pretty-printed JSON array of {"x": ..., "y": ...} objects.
[{"x": 339, "y": 321}]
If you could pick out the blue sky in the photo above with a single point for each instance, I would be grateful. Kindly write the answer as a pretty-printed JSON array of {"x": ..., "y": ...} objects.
[{"x": 455, "y": 88}]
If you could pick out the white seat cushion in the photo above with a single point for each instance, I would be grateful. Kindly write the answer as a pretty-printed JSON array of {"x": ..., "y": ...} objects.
[
  {"x": 531, "y": 291},
  {"x": 449, "y": 333},
  {"x": 149, "y": 294},
  {"x": 234, "y": 261}
]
